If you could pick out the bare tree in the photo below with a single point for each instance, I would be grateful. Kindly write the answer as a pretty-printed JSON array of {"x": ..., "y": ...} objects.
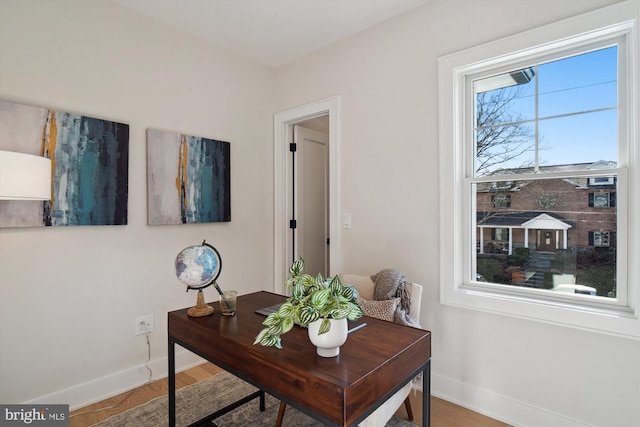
[{"x": 501, "y": 135}]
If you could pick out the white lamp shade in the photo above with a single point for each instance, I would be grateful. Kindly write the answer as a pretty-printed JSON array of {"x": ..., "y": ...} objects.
[{"x": 24, "y": 176}]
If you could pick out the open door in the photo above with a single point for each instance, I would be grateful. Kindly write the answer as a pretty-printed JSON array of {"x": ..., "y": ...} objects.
[{"x": 311, "y": 199}]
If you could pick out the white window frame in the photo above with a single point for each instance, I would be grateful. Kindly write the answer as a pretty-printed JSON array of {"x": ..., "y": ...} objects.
[{"x": 457, "y": 228}]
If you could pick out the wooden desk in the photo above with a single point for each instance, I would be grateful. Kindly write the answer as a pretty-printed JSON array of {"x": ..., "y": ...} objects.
[{"x": 374, "y": 363}]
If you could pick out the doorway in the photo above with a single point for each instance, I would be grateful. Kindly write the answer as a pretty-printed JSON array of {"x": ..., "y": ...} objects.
[
  {"x": 546, "y": 241},
  {"x": 310, "y": 237},
  {"x": 286, "y": 242}
]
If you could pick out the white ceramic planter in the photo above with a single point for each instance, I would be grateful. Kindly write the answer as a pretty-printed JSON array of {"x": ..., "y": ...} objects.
[{"x": 328, "y": 344}]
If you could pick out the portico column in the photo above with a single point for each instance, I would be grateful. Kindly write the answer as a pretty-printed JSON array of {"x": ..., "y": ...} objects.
[{"x": 510, "y": 240}]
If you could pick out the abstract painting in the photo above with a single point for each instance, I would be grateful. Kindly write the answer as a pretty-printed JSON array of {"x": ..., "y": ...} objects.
[
  {"x": 90, "y": 165},
  {"x": 188, "y": 179}
]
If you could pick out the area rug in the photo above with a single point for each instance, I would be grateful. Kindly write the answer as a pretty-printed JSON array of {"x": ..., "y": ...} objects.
[{"x": 205, "y": 397}]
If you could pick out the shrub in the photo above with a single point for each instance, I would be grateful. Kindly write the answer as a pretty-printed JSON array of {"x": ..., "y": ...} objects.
[
  {"x": 520, "y": 256},
  {"x": 489, "y": 268}
]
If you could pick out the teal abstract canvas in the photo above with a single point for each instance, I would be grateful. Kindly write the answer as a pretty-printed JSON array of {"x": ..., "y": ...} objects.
[
  {"x": 90, "y": 161},
  {"x": 188, "y": 179}
]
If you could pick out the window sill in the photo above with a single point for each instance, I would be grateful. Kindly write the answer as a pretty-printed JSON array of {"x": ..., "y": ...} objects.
[{"x": 617, "y": 321}]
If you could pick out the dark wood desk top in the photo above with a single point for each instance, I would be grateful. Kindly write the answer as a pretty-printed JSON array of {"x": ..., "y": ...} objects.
[{"x": 372, "y": 364}]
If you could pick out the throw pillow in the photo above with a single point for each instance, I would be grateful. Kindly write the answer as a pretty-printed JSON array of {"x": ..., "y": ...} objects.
[{"x": 383, "y": 310}]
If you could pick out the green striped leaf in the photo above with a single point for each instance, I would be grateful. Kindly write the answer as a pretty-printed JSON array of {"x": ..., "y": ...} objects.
[
  {"x": 325, "y": 326},
  {"x": 296, "y": 267},
  {"x": 307, "y": 315},
  {"x": 319, "y": 298},
  {"x": 285, "y": 309},
  {"x": 298, "y": 289},
  {"x": 287, "y": 324},
  {"x": 335, "y": 286},
  {"x": 349, "y": 292},
  {"x": 272, "y": 319},
  {"x": 340, "y": 313}
]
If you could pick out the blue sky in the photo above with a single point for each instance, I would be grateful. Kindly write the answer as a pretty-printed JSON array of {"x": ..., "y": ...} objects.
[{"x": 578, "y": 84}]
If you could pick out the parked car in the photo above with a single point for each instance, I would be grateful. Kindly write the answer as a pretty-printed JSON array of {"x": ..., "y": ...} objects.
[{"x": 576, "y": 289}]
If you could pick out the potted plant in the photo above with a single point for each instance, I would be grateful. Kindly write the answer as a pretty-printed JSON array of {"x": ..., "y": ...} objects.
[{"x": 314, "y": 299}]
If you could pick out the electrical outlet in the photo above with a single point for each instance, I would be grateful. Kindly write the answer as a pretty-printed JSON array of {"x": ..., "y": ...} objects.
[{"x": 144, "y": 324}]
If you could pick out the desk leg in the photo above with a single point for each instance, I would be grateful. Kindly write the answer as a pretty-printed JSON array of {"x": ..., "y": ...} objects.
[
  {"x": 172, "y": 383},
  {"x": 426, "y": 395}
]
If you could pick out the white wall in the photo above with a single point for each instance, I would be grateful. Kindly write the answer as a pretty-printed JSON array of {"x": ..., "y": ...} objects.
[
  {"x": 69, "y": 295},
  {"x": 523, "y": 372}
]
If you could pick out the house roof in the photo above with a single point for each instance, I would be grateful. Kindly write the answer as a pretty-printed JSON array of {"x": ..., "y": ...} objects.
[
  {"x": 507, "y": 178},
  {"x": 519, "y": 219},
  {"x": 600, "y": 164}
]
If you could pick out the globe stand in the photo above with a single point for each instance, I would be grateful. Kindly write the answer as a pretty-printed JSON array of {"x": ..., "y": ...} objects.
[{"x": 200, "y": 309}]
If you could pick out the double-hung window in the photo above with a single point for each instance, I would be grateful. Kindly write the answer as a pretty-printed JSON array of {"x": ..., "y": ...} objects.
[
  {"x": 540, "y": 131},
  {"x": 602, "y": 200},
  {"x": 502, "y": 201}
]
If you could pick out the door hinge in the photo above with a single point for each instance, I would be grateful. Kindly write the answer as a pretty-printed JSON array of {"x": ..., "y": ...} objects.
[
  {"x": 327, "y": 240},
  {"x": 292, "y": 147},
  {"x": 292, "y": 223}
]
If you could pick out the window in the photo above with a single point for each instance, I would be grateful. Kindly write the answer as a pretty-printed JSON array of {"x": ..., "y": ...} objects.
[
  {"x": 600, "y": 238},
  {"x": 598, "y": 181},
  {"x": 602, "y": 200},
  {"x": 558, "y": 116},
  {"x": 501, "y": 201},
  {"x": 500, "y": 234},
  {"x": 548, "y": 120}
]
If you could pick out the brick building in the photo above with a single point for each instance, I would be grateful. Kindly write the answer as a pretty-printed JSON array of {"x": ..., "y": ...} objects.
[{"x": 546, "y": 214}]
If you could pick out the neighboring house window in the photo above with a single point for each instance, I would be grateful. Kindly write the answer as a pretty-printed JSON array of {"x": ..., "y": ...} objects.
[
  {"x": 602, "y": 200},
  {"x": 500, "y": 234},
  {"x": 554, "y": 117},
  {"x": 501, "y": 201},
  {"x": 600, "y": 238},
  {"x": 601, "y": 180}
]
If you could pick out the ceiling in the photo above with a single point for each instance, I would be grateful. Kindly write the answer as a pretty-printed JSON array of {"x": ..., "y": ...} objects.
[{"x": 272, "y": 32}]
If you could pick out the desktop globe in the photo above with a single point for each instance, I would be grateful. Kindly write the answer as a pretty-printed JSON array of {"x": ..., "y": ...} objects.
[{"x": 198, "y": 267}]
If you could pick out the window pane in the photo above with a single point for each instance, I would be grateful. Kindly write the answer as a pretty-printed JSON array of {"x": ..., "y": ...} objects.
[
  {"x": 504, "y": 109},
  {"x": 560, "y": 240},
  {"x": 584, "y": 138},
  {"x": 579, "y": 83},
  {"x": 509, "y": 104},
  {"x": 501, "y": 148}
]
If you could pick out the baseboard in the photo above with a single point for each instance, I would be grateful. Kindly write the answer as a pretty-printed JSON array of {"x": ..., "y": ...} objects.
[
  {"x": 120, "y": 382},
  {"x": 498, "y": 407}
]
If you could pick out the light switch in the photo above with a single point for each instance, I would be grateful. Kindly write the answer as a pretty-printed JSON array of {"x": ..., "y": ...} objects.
[{"x": 346, "y": 220}]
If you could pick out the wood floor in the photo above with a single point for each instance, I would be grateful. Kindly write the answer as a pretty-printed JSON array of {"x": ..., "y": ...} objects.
[{"x": 443, "y": 413}]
